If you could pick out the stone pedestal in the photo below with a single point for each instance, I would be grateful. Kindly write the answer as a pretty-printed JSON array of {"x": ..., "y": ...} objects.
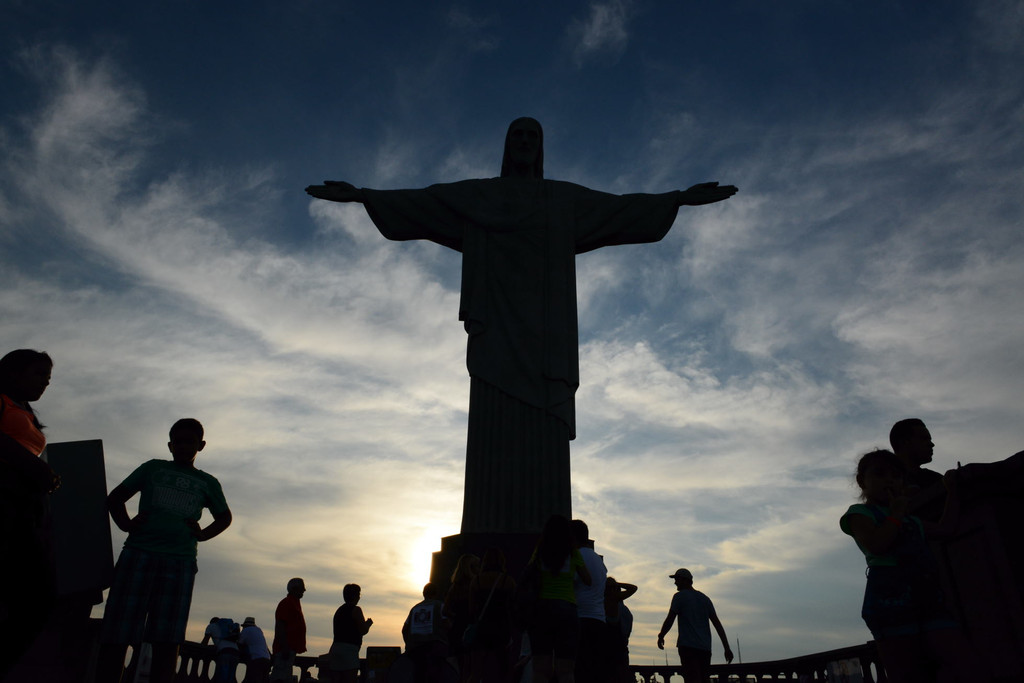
[
  {"x": 517, "y": 548},
  {"x": 81, "y": 525}
]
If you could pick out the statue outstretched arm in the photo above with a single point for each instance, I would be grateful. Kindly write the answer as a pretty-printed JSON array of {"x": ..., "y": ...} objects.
[
  {"x": 705, "y": 193},
  {"x": 336, "y": 191},
  {"x": 416, "y": 214}
]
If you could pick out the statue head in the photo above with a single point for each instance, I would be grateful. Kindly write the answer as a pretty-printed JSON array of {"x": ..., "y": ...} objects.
[{"x": 524, "y": 149}]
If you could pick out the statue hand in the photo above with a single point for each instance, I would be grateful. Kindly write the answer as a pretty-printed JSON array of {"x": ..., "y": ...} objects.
[
  {"x": 336, "y": 191},
  {"x": 706, "y": 193}
]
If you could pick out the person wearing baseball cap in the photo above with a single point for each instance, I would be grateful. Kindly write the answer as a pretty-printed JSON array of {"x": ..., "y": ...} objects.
[{"x": 693, "y": 610}]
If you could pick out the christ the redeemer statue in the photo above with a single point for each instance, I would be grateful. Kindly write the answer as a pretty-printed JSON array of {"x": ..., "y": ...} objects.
[{"x": 519, "y": 235}]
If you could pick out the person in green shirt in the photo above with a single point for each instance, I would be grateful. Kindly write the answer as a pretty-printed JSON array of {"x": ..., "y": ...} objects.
[
  {"x": 555, "y": 629},
  {"x": 151, "y": 593},
  {"x": 916, "y": 632}
]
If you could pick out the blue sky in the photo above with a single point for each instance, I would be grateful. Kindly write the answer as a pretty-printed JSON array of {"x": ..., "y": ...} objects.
[{"x": 156, "y": 241}]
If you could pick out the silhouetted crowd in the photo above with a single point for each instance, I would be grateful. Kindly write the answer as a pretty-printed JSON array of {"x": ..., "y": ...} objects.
[{"x": 561, "y": 618}]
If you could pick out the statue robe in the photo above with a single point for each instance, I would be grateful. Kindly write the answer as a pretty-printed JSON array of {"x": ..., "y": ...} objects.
[{"x": 518, "y": 240}]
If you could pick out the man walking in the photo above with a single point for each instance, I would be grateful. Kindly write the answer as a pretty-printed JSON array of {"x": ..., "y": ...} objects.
[{"x": 693, "y": 610}]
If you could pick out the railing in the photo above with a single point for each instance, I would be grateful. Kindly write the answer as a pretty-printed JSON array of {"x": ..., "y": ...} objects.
[
  {"x": 815, "y": 667},
  {"x": 196, "y": 665}
]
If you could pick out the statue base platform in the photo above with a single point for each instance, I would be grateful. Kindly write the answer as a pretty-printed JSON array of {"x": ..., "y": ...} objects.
[{"x": 518, "y": 547}]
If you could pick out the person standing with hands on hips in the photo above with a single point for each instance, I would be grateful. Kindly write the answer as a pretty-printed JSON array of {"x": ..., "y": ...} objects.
[{"x": 151, "y": 593}]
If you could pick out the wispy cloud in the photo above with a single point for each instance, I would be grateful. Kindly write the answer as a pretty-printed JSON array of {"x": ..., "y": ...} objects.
[
  {"x": 868, "y": 270},
  {"x": 477, "y": 31},
  {"x": 603, "y": 33},
  {"x": 279, "y": 354}
]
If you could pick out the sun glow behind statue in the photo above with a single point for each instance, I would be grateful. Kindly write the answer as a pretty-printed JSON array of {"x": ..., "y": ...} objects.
[
  {"x": 171, "y": 266},
  {"x": 421, "y": 554}
]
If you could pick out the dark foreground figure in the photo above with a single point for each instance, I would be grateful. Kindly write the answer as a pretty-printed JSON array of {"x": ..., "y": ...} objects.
[
  {"x": 918, "y": 638},
  {"x": 27, "y": 585}
]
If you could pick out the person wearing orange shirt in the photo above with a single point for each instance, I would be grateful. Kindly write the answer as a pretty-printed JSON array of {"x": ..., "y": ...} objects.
[{"x": 27, "y": 583}]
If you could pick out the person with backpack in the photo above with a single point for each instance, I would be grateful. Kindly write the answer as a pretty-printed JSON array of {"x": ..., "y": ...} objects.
[
  {"x": 224, "y": 631},
  {"x": 490, "y": 603},
  {"x": 425, "y": 633}
]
